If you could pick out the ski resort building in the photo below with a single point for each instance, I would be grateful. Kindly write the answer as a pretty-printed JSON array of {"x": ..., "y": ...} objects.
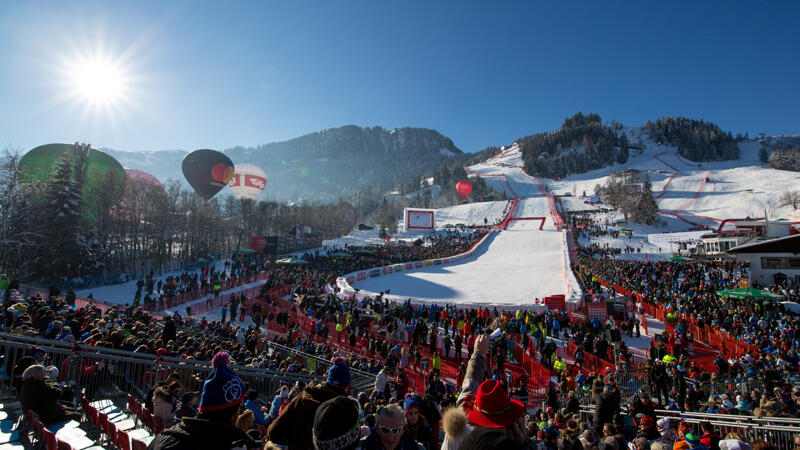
[{"x": 771, "y": 258}]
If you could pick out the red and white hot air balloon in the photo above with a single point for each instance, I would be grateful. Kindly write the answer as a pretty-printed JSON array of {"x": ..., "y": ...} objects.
[{"x": 248, "y": 181}]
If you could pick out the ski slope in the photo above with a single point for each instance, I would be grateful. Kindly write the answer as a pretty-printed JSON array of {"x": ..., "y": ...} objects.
[{"x": 512, "y": 269}]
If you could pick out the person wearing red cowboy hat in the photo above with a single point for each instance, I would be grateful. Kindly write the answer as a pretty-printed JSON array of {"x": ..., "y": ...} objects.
[{"x": 487, "y": 404}]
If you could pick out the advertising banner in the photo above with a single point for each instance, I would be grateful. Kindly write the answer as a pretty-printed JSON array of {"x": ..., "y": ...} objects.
[
  {"x": 361, "y": 276},
  {"x": 374, "y": 273},
  {"x": 597, "y": 311},
  {"x": 555, "y": 302}
]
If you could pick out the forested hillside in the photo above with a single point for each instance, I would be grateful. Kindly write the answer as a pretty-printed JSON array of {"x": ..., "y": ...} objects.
[
  {"x": 582, "y": 143},
  {"x": 695, "y": 139}
]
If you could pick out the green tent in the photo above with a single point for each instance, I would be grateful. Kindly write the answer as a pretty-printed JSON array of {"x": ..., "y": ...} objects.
[
  {"x": 339, "y": 255},
  {"x": 748, "y": 293},
  {"x": 363, "y": 251},
  {"x": 291, "y": 261},
  {"x": 678, "y": 258}
]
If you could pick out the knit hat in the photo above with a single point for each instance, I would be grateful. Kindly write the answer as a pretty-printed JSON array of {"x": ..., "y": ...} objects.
[
  {"x": 692, "y": 438},
  {"x": 663, "y": 423},
  {"x": 223, "y": 388},
  {"x": 339, "y": 373},
  {"x": 411, "y": 401},
  {"x": 336, "y": 424},
  {"x": 485, "y": 438}
]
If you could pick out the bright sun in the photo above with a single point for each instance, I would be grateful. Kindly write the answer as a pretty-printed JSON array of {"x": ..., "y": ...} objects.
[{"x": 97, "y": 82}]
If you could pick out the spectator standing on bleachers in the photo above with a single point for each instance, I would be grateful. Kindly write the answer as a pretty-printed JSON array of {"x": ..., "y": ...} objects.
[
  {"x": 380, "y": 383},
  {"x": 213, "y": 428}
]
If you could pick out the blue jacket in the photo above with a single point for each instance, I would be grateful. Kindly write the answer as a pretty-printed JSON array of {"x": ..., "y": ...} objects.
[{"x": 253, "y": 405}]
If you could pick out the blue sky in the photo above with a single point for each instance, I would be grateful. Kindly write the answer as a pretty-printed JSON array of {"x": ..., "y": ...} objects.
[{"x": 220, "y": 74}]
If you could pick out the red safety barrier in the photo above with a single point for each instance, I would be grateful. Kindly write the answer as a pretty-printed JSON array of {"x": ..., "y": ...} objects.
[{"x": 718, "y": 340}]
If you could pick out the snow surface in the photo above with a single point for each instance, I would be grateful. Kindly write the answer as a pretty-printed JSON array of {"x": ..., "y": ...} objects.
[
  {"x": 511, "y": 268},
  {"x": 123, "y": 293}
]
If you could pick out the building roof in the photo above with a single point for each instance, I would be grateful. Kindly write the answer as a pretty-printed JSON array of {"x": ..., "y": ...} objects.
[{"x": 787, "y": 244}]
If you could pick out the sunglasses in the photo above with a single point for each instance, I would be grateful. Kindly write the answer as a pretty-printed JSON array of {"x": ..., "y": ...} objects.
[{"x": 387, "y": 430}]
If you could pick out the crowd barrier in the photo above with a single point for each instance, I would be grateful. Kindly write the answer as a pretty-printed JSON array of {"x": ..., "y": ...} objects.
[
  {"x": 178, "y": 300},
  {"x": 104, "y": 372},
  {"x": 777, "y": 431},
  {"x": 592, "y": 362},
  {"x": 716, "y": 339}
]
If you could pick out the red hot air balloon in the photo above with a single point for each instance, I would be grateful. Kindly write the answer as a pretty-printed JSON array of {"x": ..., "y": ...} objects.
[{"x": 464, "y": 188}]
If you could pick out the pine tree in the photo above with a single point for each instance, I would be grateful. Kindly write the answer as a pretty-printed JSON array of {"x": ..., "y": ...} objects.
[
  {"x": 763, "y": 154},
  {"x": 622, "y": 155},
  {"x": 62, "y": 225}
]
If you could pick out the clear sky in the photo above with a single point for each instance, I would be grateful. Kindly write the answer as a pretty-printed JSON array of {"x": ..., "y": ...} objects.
[{"x": 153, "y": 75}]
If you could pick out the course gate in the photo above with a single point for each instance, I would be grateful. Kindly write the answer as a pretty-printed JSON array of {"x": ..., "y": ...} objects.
[{"x": 542, "y": 219}]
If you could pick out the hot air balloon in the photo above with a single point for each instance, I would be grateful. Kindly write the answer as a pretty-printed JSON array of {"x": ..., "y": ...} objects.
[
  {"x": 207, "y": 171},
  {"x": 248, "y": 181},
  {"x": 136, "y": 176},
  {"x": 103, "y": 177},
  {"x": 464, "y": 188}
]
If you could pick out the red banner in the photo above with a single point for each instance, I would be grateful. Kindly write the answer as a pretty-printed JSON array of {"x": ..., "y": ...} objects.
[
  {"x": 257, "y": 243},
  {"x": 555, "y": 302}
]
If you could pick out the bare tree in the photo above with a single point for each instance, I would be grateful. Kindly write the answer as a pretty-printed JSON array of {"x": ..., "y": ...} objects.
[
  {"x": 791, "y": 198},
  {"x": 18, "y": 236}
]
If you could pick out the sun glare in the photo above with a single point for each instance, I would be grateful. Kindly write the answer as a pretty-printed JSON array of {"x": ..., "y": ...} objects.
[{"x": 97, "y": 82}]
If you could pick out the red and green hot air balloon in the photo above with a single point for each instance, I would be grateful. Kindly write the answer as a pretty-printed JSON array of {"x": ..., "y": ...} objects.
[{"x": 207, "y": 171}]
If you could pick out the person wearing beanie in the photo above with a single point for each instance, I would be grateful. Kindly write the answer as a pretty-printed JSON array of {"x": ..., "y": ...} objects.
[
  {"x": 647, "y": 429},
  {"x": 682, "y": 443},
  {"x": 213, "y": 429},
  {"x": 336, "y": 424},
  {"x": 694, "y": 442},
  {"x": 668, "y": 435},
  {"x": 416, "y": 423},
  {"x": 456, "y": 428},
  {"x": 292, "y": 428}
]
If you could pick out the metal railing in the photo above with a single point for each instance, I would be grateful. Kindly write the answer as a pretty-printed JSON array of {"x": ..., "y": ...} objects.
[
  {"x": 778, "y": 431},
  {"x": 104, "y": 372}
]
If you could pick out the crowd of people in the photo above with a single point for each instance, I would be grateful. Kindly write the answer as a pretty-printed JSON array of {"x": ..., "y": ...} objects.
[{"x": 478, "y": 411}]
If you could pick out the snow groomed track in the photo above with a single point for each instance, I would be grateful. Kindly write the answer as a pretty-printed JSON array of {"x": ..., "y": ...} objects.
[{"x": 526, "y": 260}]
